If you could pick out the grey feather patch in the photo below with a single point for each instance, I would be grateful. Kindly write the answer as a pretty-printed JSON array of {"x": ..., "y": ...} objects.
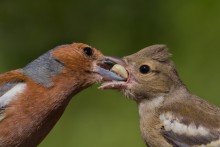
[{"x": 43, "y": 69}]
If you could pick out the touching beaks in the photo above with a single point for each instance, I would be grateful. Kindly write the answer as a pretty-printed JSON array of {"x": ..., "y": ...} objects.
[{"x": 112, "y": 69}]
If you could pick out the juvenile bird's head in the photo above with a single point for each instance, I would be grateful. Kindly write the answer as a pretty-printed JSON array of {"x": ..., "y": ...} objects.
[{"x": 149, "y": 73}]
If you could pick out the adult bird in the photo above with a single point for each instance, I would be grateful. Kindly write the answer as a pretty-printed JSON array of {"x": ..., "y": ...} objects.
[
  {"x": 33, "y": 98},
  {"x": 169, "y": 114}
]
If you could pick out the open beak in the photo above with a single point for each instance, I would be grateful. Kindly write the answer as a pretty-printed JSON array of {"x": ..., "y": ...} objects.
[{"x": 112, "y": 70}]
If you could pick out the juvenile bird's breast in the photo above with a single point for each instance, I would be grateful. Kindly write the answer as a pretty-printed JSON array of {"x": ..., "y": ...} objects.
[{"x": 150, "y": 125}]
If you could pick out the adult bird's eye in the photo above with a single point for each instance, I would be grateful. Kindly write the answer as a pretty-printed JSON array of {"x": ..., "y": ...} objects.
[
  {"x": 88, "y": 51},
  {"x": 144, "y": 69}
]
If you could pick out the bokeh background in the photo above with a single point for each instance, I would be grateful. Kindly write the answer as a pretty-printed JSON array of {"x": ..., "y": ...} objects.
[{"x": 97, "y": 118}]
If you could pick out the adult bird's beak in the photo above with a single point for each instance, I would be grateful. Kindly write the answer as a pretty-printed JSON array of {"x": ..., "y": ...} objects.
[{"x": 111, "y": 69}]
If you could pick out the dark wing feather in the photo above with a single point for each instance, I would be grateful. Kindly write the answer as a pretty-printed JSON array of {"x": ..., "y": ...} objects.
[
  {"x": 186, "y": 141},
  {"x": 193, "y": 110},
  {"x": 7, "y": 81},
  {"x": 4, "y": 88}
]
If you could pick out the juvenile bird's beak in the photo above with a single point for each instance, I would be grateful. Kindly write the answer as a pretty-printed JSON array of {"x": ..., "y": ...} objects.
[{"x": 113, "y": 71}]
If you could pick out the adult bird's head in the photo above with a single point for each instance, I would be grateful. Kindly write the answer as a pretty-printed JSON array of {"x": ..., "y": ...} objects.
[
  {"x": 76, "y": 63},
  {"x": 81, "y": 59},
  {"x": 148, "y": 73}
]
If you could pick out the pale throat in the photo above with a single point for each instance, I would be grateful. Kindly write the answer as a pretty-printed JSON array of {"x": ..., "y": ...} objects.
[{"x": 147, "y": 107}]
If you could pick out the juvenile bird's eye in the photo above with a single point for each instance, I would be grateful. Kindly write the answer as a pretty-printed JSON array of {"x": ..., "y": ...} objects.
[
  {"x": 88, "y": 51},
  {"x": 144, "y": 69}
]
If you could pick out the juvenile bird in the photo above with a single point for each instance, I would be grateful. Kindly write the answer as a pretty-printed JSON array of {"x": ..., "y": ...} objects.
[
  {"x": 169, "y": 114},
  {"x": 33, "y": 98}
]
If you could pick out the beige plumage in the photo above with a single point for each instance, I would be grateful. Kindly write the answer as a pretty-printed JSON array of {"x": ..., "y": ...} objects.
[{"x": 169, "y": 114}]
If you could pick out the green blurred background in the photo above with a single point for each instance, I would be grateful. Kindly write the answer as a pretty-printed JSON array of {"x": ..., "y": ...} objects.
[{"x": 97, "y": 118}]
